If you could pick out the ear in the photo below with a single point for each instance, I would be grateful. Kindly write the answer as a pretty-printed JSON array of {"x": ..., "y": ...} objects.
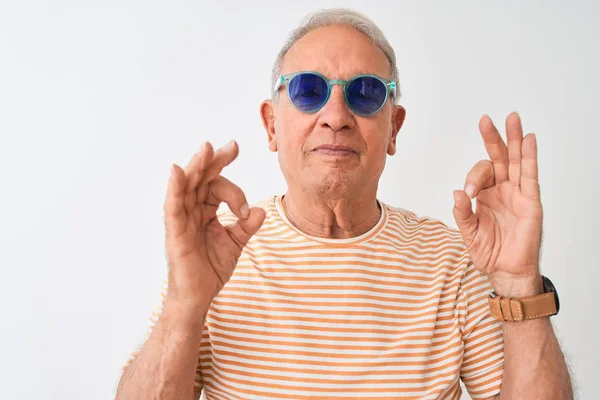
[
  {"x": 267, "y": 114},
  {"x": 398, "y": 115}
]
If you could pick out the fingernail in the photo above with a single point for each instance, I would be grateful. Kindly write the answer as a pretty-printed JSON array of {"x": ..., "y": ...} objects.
[
  {"x": 455, "y": 195},
  {"x": 245, "y": 211},
  {"x": 172, "y": 171},
  {"x": 470, "y": 190},
  {"x": 230, "y": 145},
  {"x": 201, "y": 148}
]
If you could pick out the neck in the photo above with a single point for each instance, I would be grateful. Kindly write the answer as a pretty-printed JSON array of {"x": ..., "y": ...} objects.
[{"x": 331, "y": 218}]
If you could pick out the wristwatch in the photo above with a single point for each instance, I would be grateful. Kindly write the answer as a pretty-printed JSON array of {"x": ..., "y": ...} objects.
[{"x": 524, "y": 308}]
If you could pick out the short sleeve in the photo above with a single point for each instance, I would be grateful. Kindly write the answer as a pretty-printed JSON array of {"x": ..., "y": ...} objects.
[
  {"x": 156, "y": 313},
  {"x": 482, "y": 366}
]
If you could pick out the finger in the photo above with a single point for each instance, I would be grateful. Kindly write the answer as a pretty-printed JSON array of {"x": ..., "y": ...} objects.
[
  {"x": 530, "y": 185},
  {"x": 480, "y": 177},
  {"x": 466, "y": 220},
  {"x": 194, "y": 162},
  {"x": 495, "y": 147},
  {"x": 202, "y": 160},
  {"x": 222, "y": 158},
  {"x": 223, "y": 190},
  {"x": 197, "y": 165},
  {"x": 514, "y": 134},
  {"x": 174, "y": 202},
  {"x": 242, "y": 230}
]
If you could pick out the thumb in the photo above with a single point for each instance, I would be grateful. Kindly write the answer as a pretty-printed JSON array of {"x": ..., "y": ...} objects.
[
  {"x": 466, "y": 220},
  {"x": 243, "y": 229}
]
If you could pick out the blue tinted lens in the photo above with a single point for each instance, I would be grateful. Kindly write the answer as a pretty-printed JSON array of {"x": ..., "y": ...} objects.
[
  {"x": 308, "y": 92},
  {"x": 366, "y": 95}
]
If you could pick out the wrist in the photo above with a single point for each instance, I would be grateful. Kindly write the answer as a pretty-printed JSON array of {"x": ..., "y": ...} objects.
[
  {"x": 517, "y": 286},
  {"x": 190, "y": 302},
  {"x": 191, "y": 291},
  {"x": 181, "y": 315}
]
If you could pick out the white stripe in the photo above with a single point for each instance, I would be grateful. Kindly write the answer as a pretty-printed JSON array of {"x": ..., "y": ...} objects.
[
  {"x": 346, "y": 292},
  {"x": 398, "y": 270},
  {"x": 400, "y": 285},
  {"x": 434, "y": 249},
  {"x": 246, "y": 338},
  {"x": 351, "y": 367},
  {"x": 336, "y": 314},
  {"x": 395, "y": 334},
  {"x": 332, "y": 274},
  {"x": 310, "y": 301},
  {"x": 332, "y": 324},
  {"x": 406, "y": 356},
  {"x": 402, "y": 374},
  {"x": 400, "y": 260},
  {"x": 347, "y": 389},
  {"x": 342, "y": 307},
  {"x": 309, "y": 349}
]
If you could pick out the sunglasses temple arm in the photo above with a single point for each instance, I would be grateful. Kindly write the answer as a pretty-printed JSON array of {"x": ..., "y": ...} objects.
[
  {"x": 392, "y": 86},
  {"x": 280, "y": 82}
]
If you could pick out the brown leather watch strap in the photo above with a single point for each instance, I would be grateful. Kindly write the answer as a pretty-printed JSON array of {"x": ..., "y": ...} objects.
[{"x": 520, "y": 309}]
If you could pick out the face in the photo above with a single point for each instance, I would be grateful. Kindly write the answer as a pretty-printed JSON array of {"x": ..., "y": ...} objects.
[{"x": 332, "y": 152}]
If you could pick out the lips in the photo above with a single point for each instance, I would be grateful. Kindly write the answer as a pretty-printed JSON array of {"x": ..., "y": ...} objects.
[{"x": 330, "y": 149}]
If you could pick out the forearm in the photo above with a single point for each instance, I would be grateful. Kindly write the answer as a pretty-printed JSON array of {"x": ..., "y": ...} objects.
[
  {"x": 166, "y": 366},
  {"x": 534, "y": 365}
]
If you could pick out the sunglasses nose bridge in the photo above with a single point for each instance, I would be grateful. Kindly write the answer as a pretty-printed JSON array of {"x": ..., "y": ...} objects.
[
  {"x": 337, "y": 82},
  {"x": 339, "y": 97}
]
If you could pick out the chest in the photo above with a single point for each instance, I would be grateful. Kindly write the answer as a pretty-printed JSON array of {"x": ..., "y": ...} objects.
[{"x": 334, "y": 326}]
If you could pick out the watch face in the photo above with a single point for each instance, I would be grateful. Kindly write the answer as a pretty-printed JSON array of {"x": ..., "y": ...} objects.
[{"x": 549, "y": 287}]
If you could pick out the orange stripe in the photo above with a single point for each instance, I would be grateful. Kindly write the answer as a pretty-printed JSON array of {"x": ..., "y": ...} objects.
[
  {"x": 441, "y": 306},
  {"x": 354, "y": 296},
  {"x": 217, "y": 375},
  {"x": 426, "y": 336},
  {"x": 216, "y": 357},
  {"x": 253, "y": 375},
  {"x": 313, "y": 346}
]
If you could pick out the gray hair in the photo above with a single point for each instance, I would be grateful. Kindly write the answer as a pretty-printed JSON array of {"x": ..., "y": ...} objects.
[{"x": 338, "y": 16}]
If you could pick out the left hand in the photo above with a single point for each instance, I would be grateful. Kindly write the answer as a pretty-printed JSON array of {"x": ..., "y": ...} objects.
[{"x": 504, "y": 234}]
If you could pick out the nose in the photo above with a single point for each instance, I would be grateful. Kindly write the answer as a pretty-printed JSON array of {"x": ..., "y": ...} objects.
[{"x": 335, "y": 113}]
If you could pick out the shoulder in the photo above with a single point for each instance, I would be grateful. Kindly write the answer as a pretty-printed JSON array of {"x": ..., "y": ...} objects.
[
  {"x": 427, "y": 238},
  {"x": 442, "y": 246},
  {"x": 429, "y": 228}
]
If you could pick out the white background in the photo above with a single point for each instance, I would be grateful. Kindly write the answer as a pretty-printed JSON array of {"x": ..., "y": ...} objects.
[{"x": 98, "y": 98}]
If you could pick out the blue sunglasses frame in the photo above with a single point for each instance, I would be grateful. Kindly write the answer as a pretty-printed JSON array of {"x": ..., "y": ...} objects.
[{"x": 390, "y": 86}]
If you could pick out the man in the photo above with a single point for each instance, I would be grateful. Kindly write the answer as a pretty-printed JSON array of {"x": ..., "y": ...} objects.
[{"x": 326, "y": 292}]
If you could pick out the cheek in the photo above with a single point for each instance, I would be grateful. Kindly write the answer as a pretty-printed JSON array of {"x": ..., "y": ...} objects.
[
  {"x": 377, "y": 136},
  {"x": 376, "y": 139},
  {"x": 384, "y": 124},
  {"x": 294, "y": 131}
]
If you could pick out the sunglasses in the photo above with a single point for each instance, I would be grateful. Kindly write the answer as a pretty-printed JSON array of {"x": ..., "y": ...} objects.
[{"x": 365, "y": 94}]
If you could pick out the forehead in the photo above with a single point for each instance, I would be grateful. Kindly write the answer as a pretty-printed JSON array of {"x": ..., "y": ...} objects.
[{"x": 338, "y": 52}]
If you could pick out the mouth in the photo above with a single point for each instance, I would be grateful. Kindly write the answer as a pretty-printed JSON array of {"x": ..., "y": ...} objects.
[{"x": 333, "y": 150}]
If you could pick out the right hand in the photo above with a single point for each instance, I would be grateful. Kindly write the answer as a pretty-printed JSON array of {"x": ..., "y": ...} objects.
[{"x": 203, "y": 253}]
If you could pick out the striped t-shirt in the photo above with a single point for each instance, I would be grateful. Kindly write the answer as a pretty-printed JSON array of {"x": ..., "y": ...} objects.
[{"x": 399, "y": 312}]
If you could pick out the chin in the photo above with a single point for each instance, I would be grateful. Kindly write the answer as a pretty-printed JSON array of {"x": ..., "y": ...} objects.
[{"x": 334, "y": 183}]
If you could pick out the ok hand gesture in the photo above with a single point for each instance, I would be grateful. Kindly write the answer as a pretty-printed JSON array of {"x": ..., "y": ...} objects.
[
  {"x": 202, "y": 253},
  {"x": 503, "y": 235}
]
